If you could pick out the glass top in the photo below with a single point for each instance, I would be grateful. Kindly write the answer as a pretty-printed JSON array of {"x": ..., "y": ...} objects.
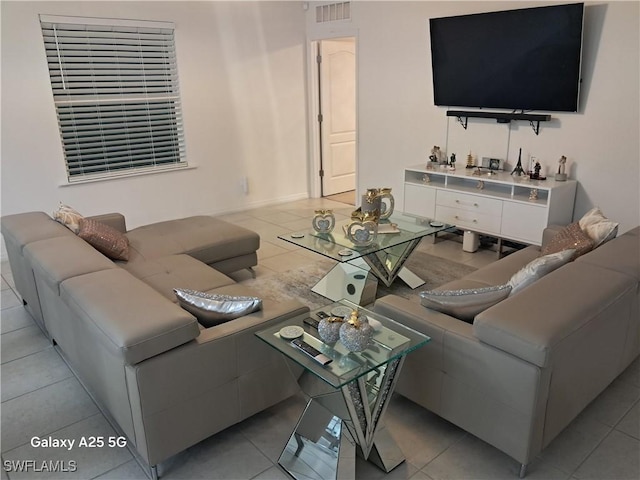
[
  {"x": 331, "y": 244},
  {"x": 390, "y": 341}
]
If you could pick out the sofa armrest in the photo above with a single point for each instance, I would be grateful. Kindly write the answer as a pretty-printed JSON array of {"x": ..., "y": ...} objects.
[{"x": 114, "y": 220}]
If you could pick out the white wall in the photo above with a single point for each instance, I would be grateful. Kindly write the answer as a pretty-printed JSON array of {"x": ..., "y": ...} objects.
[
  {"x": 242, "y": 73},
  {"x": 398, "y": 123},
  {"x": 242, "y": 77}
]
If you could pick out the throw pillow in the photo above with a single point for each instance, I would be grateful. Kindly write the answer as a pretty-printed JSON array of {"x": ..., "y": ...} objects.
[
  {"x": 599, "y": 228},
  {"x": 212, "y": 309},
  {"x": 107, "y": 240},
  {"x": 68, "y": 217},
  {"x": 466, "y": 303},
  {"x": 538, "y": 268},
  {"x": 570, "y": 237}
]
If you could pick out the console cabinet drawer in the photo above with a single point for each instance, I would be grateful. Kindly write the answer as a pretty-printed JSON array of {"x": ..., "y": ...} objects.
[
  {"x": 467, "y": 202},
  {"x": 475, "y": 221}
]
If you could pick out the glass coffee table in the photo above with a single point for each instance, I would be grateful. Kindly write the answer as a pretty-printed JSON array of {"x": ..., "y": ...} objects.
[
  {"x": 347, "y": 398},
  {"x": 385, "y": 258}
]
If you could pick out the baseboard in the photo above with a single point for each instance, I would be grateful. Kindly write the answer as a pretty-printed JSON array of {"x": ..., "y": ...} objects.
[{"x": 262, "y": 203}]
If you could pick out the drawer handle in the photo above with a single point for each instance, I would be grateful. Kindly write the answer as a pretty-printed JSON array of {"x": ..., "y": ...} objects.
[
  {"x": 463, "y": 203},
  {"x": 458, "y": 218}
]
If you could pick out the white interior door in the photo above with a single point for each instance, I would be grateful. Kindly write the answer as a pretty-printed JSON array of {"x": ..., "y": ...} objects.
[{"x": 338, "y": 113}]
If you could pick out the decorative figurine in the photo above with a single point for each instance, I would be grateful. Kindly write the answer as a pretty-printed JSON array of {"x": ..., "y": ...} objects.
[
  {"x": 480, "y": 185},
  {"x": 436, "y": 154},
  {"x": 355, "y": 332},
  {"x": 372, "y": 203},
  {"x": 470, "y": 161},
  {"x": 533, "y": 194},
  {"x": 518, "y": 170},
  {"x": 323, "y": 221},
  {"x": 433, "y": 158},
  {"x": 362, "y": 233},
  {"x": 536, "y": 172},
  {"x": 387, "y": 203},
  {"x": 561, "y": 176},
  {"x": 426, "y": 178},
  {"x": 329, "y": 329},
  {"x": 452, "y": 161}
]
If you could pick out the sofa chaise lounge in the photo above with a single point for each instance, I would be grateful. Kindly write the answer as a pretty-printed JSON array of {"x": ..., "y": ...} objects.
[
  {"x": 526, "y": 367},
  {"x": 163, "y": 379}
]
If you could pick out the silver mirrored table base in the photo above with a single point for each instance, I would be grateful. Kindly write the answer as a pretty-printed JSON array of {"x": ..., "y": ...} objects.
[{"x": 338, "y": 424}]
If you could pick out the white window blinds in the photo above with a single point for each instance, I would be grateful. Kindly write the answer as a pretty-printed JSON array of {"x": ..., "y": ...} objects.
[{"x": 115, "y": 88}]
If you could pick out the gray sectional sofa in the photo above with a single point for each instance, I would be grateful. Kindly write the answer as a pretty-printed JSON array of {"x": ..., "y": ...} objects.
[
  {"x": 162, "y": 378},
  {"x": 527, "y": 366}
]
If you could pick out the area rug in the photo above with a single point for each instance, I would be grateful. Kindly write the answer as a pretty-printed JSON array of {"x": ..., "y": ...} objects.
[{"x": 296, "y": 284}]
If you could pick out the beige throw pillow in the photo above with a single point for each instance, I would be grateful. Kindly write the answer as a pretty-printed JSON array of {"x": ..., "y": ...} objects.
[
  {"x": 466, "y": 303},
  {"x": 107, "y": 240},
  {"x": 599, "y": 228},
  {"x": 213, "y": 309},
  {"x": 538, "y": 268},
  {"x": 68, "y": 217},
  {"x": 570, "y": 237}
]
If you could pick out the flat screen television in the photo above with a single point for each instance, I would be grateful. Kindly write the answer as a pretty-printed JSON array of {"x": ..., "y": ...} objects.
[{"x": 524, "y": 59}]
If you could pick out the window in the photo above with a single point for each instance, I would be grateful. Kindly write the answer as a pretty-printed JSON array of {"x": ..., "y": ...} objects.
[{"x": 115, "y": 88}]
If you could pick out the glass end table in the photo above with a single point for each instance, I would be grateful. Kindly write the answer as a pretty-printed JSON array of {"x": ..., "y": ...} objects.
[{"x": 347, "y": 398}]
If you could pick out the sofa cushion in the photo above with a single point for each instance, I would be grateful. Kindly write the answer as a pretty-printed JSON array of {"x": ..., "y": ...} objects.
[
  {"x": 538, "y": 268},
  {"x": 571, "y": 236},
  {"x": 599, "y": 228},
  {"x": 176, "y": 271},
  {"x": 132, "y": 317},
  {"x": 207, "y": 239},
  {"x": 60, "y": 258},
  {"x": 214, "y": 309},
  {"x": 107, "y": 240},
  {"x": 464, "y": 304}
]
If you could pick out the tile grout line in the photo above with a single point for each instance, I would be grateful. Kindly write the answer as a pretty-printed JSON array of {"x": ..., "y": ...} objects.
[
  {"x": 57, "y": 430},
  {"x": 40, "y": 388}
]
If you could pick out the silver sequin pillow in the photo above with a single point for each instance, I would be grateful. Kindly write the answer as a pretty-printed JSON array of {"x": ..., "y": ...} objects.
[
  {"x": 466, "y": 303},
  {"x": 212, "y": 309}
]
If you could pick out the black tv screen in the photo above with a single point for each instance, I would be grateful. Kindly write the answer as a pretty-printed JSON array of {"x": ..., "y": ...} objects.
[{"x": 525, "y": 59}]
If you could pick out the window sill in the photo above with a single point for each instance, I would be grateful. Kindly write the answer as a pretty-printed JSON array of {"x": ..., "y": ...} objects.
[{"x": 125, "y": 175}]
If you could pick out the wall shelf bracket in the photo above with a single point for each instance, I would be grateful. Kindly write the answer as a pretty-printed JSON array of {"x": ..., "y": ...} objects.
[
  {"x": 535, "y": 125},
  {"x": 463, "y": 121},
  {"x": 533, "y": 119}
]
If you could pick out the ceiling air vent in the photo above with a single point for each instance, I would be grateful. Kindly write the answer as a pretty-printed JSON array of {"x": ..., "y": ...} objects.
[{"x": 333, "y": 12}]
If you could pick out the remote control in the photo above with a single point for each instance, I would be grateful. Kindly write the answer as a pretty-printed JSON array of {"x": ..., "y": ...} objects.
[
  {"x": 322, "y": 314},
  {"x": 312, "y": 322},
  {"x": 319, "y": 357}
]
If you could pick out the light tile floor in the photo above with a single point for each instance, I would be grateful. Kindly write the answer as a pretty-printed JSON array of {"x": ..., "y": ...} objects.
[{"x": 40, "y": 396}]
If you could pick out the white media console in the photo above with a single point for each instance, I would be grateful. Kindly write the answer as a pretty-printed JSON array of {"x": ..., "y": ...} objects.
[{"x": 501, "y": 205}]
